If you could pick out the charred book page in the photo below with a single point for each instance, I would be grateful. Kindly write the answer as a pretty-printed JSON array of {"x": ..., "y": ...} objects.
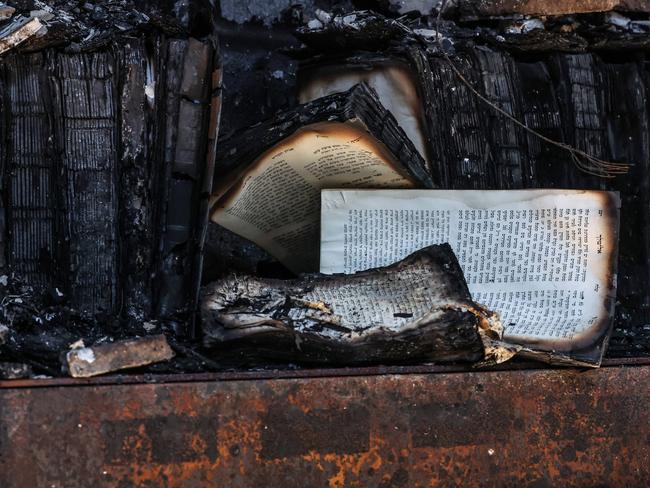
[
  {"x": 545, "y": 260},
  {"x": 418, "y": 309},
  {"x": 270, "y": 176}
]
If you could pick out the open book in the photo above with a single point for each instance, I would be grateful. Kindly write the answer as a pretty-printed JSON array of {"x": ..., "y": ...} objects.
[
  {"x": 544, "y": 259},
  {"x": 268, "y": 188}
]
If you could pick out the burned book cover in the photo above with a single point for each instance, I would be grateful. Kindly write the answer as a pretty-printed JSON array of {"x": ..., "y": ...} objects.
[
  {"x": 268, "y": 180},
  {"x": 418, "y": 309}
]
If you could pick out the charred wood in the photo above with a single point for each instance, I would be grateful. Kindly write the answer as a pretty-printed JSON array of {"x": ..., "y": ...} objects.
[{"x": 106, "y": 358}]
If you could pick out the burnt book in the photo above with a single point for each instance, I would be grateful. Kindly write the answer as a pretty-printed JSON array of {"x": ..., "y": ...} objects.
[
  {"x": 418, "y": 309},
  {"x": 545, "y": 260},
  {"x": 108, "y": 130},
  {"x": 269, "y": 177}
]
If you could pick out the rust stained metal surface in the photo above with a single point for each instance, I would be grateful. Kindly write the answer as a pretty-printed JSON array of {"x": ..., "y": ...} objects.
[{"x": 507, "y": 428}]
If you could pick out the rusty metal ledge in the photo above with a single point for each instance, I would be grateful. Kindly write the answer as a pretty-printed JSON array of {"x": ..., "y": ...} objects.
[
  {"x": 506, "y": 428},
  {"x": 267, "y": 374}
]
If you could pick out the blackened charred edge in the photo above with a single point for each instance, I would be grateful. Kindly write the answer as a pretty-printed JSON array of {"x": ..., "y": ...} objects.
[
  {"x": 192, "y": 125},
  {"x": 383, "y": 126},
  {"x": 359, "y": 102}
]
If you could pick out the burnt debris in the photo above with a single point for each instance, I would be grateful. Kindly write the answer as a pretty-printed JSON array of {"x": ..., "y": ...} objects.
[
  {"x": 582, "y": 95},
  {"x": 84, "y": 362},
  {"x": 109, "y": 117}
]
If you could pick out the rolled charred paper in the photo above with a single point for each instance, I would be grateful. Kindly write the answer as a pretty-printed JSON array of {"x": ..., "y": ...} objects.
[{"x": 418, "y": 309}]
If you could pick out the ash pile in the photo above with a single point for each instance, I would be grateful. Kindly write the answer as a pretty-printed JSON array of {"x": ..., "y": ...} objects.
[{"x": 131, "y": 136}]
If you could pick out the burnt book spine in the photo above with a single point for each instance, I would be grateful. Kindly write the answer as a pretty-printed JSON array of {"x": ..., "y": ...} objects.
[
  {"x": 508, "y": 151},
  {"x": 188, "y": 164},
  {"x": 29, "y": 173},
  {"x": 85, "y": 99},
  {"x": 140, "y": 163},
  {"x": 473, "y": 146},
  {"x": 455, "y": 127},
  {"x": 540, "y": 111}
]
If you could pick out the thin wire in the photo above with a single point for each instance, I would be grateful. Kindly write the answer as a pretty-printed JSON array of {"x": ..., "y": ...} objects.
[{"x": 591, "y": 164}]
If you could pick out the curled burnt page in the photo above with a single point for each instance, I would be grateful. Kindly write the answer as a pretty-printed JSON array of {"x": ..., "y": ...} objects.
[
  {"x": 269, "y": 178},
  {"x": 418, "y": 309}
]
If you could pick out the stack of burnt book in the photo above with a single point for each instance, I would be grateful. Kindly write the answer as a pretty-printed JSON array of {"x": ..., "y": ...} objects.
[
  {"x": 108, "y": 123},
  {"x": 442, "y": 190},
  {"x": 339, "y": 185}
]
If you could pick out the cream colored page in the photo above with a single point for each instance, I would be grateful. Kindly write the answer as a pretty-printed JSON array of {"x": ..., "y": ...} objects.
[
  {"x": 390, "y": 302},
  {"x": 277, "y": 202},
  {"x": 543, "y": 259}
]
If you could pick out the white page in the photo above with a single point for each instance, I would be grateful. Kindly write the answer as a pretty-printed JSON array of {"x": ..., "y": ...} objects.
[{"x": 543, "y": 259}]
